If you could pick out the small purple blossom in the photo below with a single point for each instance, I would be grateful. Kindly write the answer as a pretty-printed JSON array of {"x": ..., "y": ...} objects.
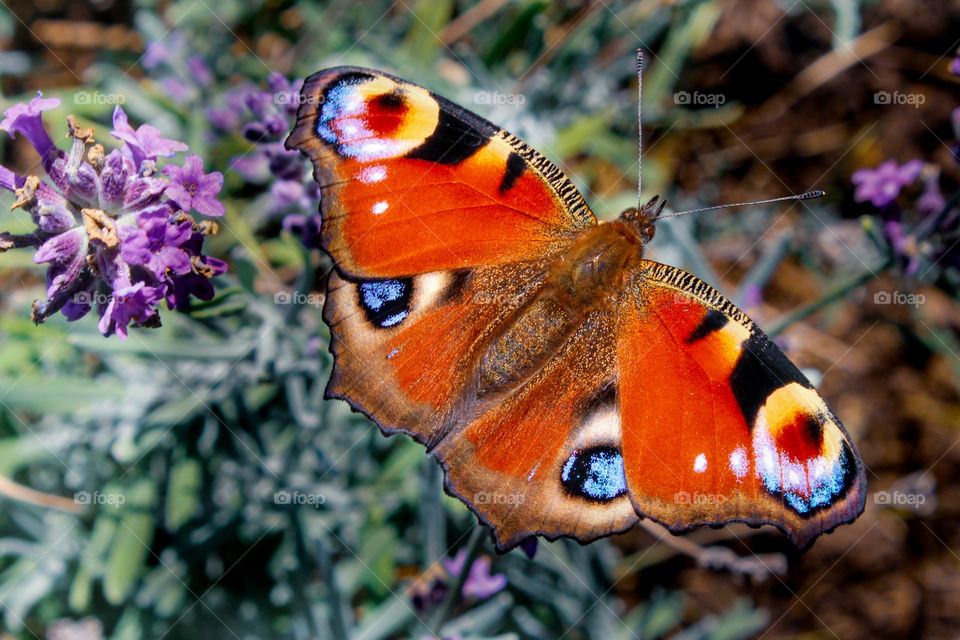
[
  {"x": 432, "y": 587},
  {"x": 165, "y": 49},
  {"x": 184, "y": 76},
  {"x": 27, "y": 119},
  {"x": 922, "y": 235},
  {"x": 199, "y": 70},
  {"x": 156, "y": 241},
  {"x": 305, "y": 227},
  {"x": 955, "y": 66},
  {"x": 115, "y": 234},
  {"x": 144, "y": 143},
  {"x": 480, "y": 583},
  {"x": 903, "y": 245},
  {"x": 882, "y": 185},
  {"x": 931, "y": 201},
  {"x": 191, "y": 188},
  {"x": 134, "y": 303}
]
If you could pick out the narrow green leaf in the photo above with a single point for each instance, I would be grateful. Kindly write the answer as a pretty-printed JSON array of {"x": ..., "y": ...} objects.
[
  {"x": 182, "y": 493},
  {"x": 131, "y": 544}
]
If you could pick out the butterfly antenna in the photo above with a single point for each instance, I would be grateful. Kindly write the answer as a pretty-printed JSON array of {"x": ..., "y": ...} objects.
[
  {"x": 639, "y": 128},
  {"x": 808, "y": 195}
]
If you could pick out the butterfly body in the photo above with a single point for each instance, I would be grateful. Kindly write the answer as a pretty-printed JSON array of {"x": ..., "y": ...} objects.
[
  {"x": 567, "y": 385},
  {"x": 586, "y": 279}
]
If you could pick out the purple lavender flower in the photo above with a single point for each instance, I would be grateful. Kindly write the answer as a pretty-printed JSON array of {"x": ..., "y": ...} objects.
[
  {"x": 165, "y": 49},
  {"x": 480, "y": 583},
  {"x": 156, "y": 241},
  {"x": 27, "y": 119},
  {"x": 113, "y": 232},
  {"x": 199, "y": 71},
  {"x": 432, "y": 587},
  {"x": 184, "y": 76},
  {"x": 268, "y": 115},
  {"x": 931, "y": 201},
  {"x": 903, "y": 245},
  {"x": 955, "y": 66},
  {"x": 882, "y": 185},
  {"x": 922, "y": 236},
  {"x": 144, "y": 143},
  {"x": 191, "y": 188},
  {"x": 131, "y": 303}
]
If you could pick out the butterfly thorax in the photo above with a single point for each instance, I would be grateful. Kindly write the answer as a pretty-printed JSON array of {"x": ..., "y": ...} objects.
[
  {"x": 594, "y": 266},
  {"x": 586, "y": 278}
]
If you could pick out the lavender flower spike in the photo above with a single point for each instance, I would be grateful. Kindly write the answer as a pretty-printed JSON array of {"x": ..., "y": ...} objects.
[
  {"x": 115, "y": 234},
  {"x": 882, "y": 185},
  {"x": 264, "y": 116}
]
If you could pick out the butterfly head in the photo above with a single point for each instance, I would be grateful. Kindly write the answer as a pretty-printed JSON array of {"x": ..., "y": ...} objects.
[{"x": 645, "y": 217}]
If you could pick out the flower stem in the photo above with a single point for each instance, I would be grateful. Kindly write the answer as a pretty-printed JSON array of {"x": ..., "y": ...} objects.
[
  {"x": 432, "y": 516},
  {"x": 338, "y": 620},
  {"x": 442, "y": 614},
  {"x": 833, "y": 294}
]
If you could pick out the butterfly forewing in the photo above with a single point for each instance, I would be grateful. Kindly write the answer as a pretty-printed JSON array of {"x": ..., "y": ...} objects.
[{"x": 414, "y": 184}]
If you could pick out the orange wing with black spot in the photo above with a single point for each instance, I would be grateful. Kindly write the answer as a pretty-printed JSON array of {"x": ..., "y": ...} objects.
[
  {"x": 413, "y": 184},
  {"x": 439, "y": 223},
  {"x": 718, "y": 425}
]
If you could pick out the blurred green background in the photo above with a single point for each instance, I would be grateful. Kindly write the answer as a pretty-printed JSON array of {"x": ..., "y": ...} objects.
[{"x": 198, "y": 425}]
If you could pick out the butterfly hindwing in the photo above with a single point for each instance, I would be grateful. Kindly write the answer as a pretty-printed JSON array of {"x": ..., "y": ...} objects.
[
  {"x": 544, "y": 458},
  {"x": 405, "y": 349},
  {"x": 412, "y": 183},
  {"x": 718, "y": 425}
]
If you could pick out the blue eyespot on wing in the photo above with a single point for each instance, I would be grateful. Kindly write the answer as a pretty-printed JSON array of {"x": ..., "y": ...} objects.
[
  {"x": 595, "y": 474},
  {"x": 386, "y": 303}
]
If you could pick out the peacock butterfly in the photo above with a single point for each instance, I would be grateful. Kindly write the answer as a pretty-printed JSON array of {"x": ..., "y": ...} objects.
[{"x": 567, "y": 385}]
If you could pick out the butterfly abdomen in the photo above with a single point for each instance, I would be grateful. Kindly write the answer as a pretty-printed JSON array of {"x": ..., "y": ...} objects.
[{"x": 531, "y": 340}]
